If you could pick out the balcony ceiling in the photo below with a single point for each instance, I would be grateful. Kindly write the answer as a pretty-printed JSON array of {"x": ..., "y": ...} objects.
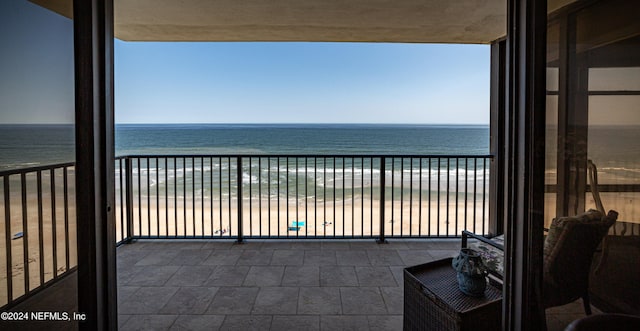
[{"x": 424, "y": 21}]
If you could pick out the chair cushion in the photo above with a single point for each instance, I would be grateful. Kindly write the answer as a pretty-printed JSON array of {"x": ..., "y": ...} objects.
[
  {"x": 568, "y": 253},
  {"x": 492, "y": 257},
  {"x": 559, "y": 225}
]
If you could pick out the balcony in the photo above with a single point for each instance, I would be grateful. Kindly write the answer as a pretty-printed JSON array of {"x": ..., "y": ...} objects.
[
  {"x": 308, "y": 227},
  {"x": 301, "y": 284},
  {"x": 281, "y": 284}
]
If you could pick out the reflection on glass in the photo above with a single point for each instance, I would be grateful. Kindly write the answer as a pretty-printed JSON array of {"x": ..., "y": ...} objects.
[
  {"x": 36, "y": 131},
  {"x": 614, "y": 79}
]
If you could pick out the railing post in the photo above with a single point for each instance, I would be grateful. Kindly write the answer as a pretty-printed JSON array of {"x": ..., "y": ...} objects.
[
  {"x": 239, "y": 179},
  {"x": 7, "y": 236},
  {"x": 381, "y": 239},
  {"x": 129, "y": 199}
]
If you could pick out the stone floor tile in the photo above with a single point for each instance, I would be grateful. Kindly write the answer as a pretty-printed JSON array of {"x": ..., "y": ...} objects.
[
  {"x": 398, "y": 275},
  {"x": 319, "y": 257},
  {"x": 147, "y": 300},
  {"x": 227, "y": 275},
  {"x": 393, "y": 299},
  {"x": 181, "y": 244},
  {"x": 248, "y": 245},
  {"x": 352, "y": 258},
  {"x": 319, "y": 301},
  {"x": 295, "y": 322},
  {"x": 129, "y": 257},
  {"x": 197, "y": 322},
  {"x": 124, "y": 292},
  {"x": 191, "y": 275},
  {"x": 444, "y": 244},
  {"x": 276, "y": 300},
  {"x": 246, "y": 322},
  {"x": 384, "y": 258},
  {"x": 141, "y": 244},
  {"x": 122, "y": 320},
  {"x": 338, "y": 276},
  {"x": 306, "y": 244},
  {"x": 149, "y": 322},
  {"x": 363, "y": 245},
  {"x": 221, "y": 244},
  {"x": 287, "y": 257},
  {"x": 190, "y": 256},
  {"x": 158, "y": 257},
  {"x": 222, "y": 257},
  {"x": 555, "y": 324},
  {"x": 334, "y": 245},
  {"x": 343, "y": 322},
  {"x": 301, "y": 276},
  {"x": 375, "y": 276},
  {"x": 362, "y": 300},
  {"x": 273, "y": 245},
  {"x": 411, "y": 257},
  {"x": 126, "y": 272},
  {"x": 385, "y": 322},
  {"x": 394, "y": 244},
  {"x": 233, "y": 300},
  {"x": 189, "y": 300},
  {"x": 264, "y": 276},
  {"x": 153, "y": 275},
  {"x": 255, "y": 257},
  {"x": 576, "y": 307},
  {"x": 443, "y": 254}
]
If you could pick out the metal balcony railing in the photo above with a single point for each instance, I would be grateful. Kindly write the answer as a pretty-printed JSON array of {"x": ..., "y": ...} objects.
[
  {"x": 301, "y": 196},
  {"x": 38, "y": 205}
]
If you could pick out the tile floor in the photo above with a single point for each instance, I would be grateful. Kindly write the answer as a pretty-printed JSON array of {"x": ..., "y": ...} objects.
[{"x": 275, "y": 285}]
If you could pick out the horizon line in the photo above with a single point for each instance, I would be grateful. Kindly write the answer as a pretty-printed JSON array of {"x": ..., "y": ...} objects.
[{"x": 264, "y": 123}]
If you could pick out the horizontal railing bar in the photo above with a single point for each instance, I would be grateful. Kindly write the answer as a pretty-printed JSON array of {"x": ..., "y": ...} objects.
[
  {"x": 602, "y": 188},
  {"x": 615, "y": 93},
  {"x": 38, "y": 289},
  {"x": 443, "y": 156},
  {"x": 292, "y": 238},
  {"x": 35, "y": 169}
]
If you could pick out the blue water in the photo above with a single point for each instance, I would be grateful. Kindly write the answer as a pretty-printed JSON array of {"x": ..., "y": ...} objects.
[
  {"x": 31, "y": 145},
  {"x": 301, "y": 139},
  {"x": 616, "y": 150}
]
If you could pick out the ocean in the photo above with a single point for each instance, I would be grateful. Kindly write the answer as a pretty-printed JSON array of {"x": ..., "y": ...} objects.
[
  {"x": 32, "y": 145},
  {"x": 615, "y": 150},
  {"x": 301, "y": 139}
]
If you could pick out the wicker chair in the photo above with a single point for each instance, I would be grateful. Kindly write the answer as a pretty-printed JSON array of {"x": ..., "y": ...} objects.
[{"x": 568, "y": 254}]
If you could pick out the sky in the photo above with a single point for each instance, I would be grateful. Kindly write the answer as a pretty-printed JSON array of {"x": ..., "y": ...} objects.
[
  {"x": 209, "y": 82},
  {"x": 301, "y": 82},
  {"x": 36, "y": 65}
]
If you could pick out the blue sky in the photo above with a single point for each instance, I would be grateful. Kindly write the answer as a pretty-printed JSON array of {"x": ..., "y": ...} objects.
[
  {"x": 36, "y": 65},
  {"x": 242, "y": 82},
  {"x": 301, "y": 83}
]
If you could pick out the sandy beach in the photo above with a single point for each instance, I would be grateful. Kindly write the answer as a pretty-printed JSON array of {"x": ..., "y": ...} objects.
[
  {"x": 344, "y": 219},
  {"x": 33, "y": 247}
]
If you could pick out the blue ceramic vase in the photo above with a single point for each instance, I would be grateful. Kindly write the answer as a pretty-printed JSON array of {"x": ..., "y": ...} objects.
[{"x": 471, "y": 272}]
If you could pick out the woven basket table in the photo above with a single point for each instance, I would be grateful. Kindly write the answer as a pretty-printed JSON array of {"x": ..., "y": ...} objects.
[{"x": 432, "y": 301}]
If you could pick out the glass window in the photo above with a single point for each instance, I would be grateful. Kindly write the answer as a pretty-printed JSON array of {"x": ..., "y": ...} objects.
[
  {"x": 595, "y": 116},
  {"x": 37, "y": 150}
]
